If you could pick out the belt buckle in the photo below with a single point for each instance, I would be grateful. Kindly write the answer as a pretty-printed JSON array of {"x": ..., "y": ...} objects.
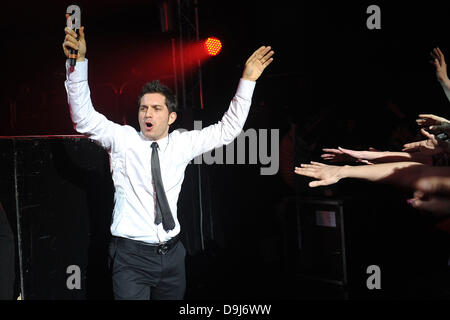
[{"x": 163, "y": 249}]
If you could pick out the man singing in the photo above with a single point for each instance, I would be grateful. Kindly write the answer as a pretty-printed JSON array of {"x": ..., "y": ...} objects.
[{"x": 147, "y": 260}]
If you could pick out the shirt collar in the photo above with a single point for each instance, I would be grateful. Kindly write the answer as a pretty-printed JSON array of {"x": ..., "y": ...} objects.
[{"x": 162, "y": 143}]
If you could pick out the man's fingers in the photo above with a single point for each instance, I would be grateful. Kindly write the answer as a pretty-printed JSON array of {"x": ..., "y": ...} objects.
[
  {"x": 265, "y": 64},
  {"x": 69, "y": 37},
  {"x": 71, "y": 32},
  {"x": 263, "y": 54},
  {"x": 263, "y": 51},
  {"x": 255, "y": 54},
  {"x": 71, "y": 45},
  {"x": 72, "y": 41},
  {"x": 82, "y": 33}
]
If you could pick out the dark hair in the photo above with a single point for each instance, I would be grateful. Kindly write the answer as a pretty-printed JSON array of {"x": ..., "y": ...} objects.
[{"x": 157, "y": 87}]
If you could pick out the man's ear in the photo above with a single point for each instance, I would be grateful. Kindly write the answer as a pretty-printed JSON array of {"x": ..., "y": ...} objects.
[{"x": 172, "y": 117}]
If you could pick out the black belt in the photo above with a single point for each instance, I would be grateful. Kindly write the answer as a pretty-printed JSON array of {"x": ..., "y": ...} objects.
[{"x": 161, "y": 247}]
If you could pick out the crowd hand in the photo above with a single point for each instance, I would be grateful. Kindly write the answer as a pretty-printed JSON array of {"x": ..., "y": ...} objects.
[
  {"x": 325, "y": 174},
  {"x": 257, "y": 62},
  {"x": 347, "y": 155},
  {"x": 426, "y": 120},
  {"x": 440, "y": 65},
  {"x": 432, "y": 145},
  {"x": 433, "y": 195},
  {"x": 71, "y": 42}
]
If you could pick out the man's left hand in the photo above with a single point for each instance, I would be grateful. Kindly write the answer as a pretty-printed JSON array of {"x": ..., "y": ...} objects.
[{"x": 257, "y": 62}]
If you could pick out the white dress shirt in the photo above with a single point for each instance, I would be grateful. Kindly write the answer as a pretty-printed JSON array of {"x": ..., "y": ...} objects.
[{"x": 130, "y": 155}]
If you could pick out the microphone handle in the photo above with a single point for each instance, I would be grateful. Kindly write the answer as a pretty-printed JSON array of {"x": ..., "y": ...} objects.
[{"x": 73, "y": 53}]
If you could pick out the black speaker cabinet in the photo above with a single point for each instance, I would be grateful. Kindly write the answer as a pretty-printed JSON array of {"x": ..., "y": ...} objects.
[{"x": 322, "y": 240}]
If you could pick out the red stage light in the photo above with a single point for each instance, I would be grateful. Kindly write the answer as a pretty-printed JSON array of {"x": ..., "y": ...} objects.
[{"x": 213, "y": 46}]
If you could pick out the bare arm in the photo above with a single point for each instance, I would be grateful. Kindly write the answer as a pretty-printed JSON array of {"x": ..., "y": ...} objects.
[
  {"x": 371, "y": 157},
  {"x": 398, "y": 173}
]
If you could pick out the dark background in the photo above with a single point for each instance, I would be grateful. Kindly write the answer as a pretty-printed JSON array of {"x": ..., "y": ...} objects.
[
  {"x": 325, "y": 58},
  {"x": 339, "y": 83}
]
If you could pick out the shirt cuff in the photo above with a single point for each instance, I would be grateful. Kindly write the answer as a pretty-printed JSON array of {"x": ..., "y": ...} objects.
[
  {"x": 78, "y": 73},
  {"x": 245, "y": 89}
]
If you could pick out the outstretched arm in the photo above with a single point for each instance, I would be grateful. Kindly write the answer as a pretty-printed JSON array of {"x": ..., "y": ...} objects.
[
  {"x": 372, "y": 156},
  {"x": 398, "y": 173}
]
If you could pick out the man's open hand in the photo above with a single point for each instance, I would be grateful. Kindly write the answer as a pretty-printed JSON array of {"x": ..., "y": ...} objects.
[{"x": 257, "y": 62}]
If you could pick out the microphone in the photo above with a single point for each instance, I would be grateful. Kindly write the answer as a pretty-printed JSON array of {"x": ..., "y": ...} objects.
[{"x": 73, "y": 21}]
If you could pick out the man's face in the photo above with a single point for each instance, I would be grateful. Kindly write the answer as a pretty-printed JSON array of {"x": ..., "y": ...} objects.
[{"x": 154, "y": 117}]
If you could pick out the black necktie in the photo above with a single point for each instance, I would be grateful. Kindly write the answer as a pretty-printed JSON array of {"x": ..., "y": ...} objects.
[{"x": 162, "y": 205}]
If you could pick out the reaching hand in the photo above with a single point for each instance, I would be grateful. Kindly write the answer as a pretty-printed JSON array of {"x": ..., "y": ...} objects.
[
  {"x": 325, "y": 174},
  {"x": 426, "y": 120},
  {"x": 347, "y": 155},
  {"x": 440, "y": 65},
  {"x": 257, "y": 62},
  {"x": 71, "y": 42},
  {"x": 432, "y": 145}
]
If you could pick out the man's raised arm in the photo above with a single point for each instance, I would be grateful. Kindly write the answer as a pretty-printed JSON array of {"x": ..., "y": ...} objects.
[
  {"x": 232, "y": 123},
  {"x": 86, "y": 120}
]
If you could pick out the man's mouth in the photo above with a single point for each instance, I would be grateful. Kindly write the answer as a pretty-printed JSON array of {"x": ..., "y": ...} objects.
[{"x": 148, "y": 125}]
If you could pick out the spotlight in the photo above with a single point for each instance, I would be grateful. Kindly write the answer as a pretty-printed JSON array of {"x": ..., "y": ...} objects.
[{"x": 212, "y": 46}]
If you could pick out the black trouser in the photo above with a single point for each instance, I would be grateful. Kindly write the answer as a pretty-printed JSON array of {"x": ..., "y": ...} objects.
[{"x": 139, "y": 272}]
